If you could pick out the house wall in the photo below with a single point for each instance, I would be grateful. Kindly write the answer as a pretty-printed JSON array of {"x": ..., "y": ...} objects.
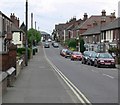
[
  {"x": 0, "y": 44},
  {"x": 4, "y": 64},
  {"x": 0, "y": 25},
  {"x": 0, "y": 33}
]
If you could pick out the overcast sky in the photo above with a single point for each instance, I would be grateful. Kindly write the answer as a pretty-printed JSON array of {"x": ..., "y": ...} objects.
[{"x": 47, "y": 13}]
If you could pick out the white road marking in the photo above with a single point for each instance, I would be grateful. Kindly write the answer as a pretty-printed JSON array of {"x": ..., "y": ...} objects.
[
  {"x": 75, "y": 90},
  {"x": 95, "y": 71},
  {"x": 108, "y": 76},
  {"x": 110, "y": 69}
]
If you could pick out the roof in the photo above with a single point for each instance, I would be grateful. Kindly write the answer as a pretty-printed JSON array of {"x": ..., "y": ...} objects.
[
  {"x": 95, "y": 30},
  {"x": 23, "y": 27},
  {"x": 70, "y": 27},
  {"x": 92, "y": 19},
  {"x": 112, "y": 25},
  {"x": 15, "y": 29},
  {"x": 44, "y": 33},
  {"x": 5, "y": 16}
]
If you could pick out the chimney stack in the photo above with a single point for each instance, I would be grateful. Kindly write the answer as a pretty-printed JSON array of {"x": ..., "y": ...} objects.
[
  {"x": 85, "y": 16},
  {"x": 112, "y": 16},
  {"x": 103, "y": 13},
  {"x": 15, "y": 20}
]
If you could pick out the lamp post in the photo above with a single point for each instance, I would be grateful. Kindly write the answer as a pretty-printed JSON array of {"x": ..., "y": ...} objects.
[
  {"x": 77, "y": 45},
  {"x": 26, "y": 45}
]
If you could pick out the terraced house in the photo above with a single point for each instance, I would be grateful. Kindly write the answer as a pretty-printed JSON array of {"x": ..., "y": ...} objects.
[
  {"x": 8, "y": 48},
  {"x": 87, "y": 28}
]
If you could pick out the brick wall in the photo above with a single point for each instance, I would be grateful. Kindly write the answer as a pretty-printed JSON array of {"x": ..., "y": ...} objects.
[
  {"x": 8, "y": 59},
  {"x": 4, "y": 65}
]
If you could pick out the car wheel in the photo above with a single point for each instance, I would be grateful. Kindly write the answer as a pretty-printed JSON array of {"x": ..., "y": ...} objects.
[
  {"x": 98, "y": 65},
  {"x": 114, "y": 66},
  {"x": 65, "y": 56},
  {"x": 91, "y": 63}
]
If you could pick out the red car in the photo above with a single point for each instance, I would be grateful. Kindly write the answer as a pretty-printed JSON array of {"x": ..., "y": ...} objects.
[
  {"x": 104, "y": 60},
  {"x": 76, "y": 56}
]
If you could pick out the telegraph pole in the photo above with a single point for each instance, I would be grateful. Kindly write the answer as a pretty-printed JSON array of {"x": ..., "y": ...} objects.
[{"x": 26, "y": 49}]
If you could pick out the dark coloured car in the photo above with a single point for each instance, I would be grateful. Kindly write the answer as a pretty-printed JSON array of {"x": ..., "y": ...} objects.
[
  {"x": 63, "y": 52},
  {"x": 56, "y": 45},
  {"x": 91, "y": 59},
  {"x": 68, "y": 53},
  {"x": 46, "y": 45},
  {"x": 86, "y": 55},
  {"x": 76, "y": 56},
  {"x": 104, "y": 60}
]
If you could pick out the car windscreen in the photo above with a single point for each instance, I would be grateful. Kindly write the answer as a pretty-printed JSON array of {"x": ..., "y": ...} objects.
[
  {"x": 105, "y": 55},
  {"x": 77, "y": 53}
]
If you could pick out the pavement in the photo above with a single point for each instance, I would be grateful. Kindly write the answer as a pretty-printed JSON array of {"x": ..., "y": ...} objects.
[{"x": 39, "y": 83}]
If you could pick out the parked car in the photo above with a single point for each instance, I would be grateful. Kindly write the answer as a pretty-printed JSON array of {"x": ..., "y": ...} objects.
[
  {"x": 91, "y": 59},
  {"x": 86, "y": 55},
  {"x": 46, "y": 45},
  {"x": 68, "y": 53},
  {"x": 76, "y": 56},
  {"x": 63, "y": 52},
  {"x": 104, "y": 60},
  {"x": 49, "y": 40},
  {"x": 56, "y": 45},
  {"x": 52, "y": 43}
]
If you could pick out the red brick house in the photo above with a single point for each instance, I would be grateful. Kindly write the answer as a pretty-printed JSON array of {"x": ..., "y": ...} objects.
[
  {"x": 68, "y": 30},
  {"x": 8, "y": 49},
  {"x": 95, "y": 20},
  {"x": 110, "y": 34}
]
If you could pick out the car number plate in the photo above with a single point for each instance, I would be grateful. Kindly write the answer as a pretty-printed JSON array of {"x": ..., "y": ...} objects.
[{"x": 107, "y": 63}]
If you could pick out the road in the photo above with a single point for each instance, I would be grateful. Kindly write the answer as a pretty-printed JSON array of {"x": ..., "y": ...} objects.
[{"x": 99, "y": 85}]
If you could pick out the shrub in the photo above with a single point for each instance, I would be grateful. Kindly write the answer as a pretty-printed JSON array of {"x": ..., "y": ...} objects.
[
  {"x": 72, "y": 43},
  {"x": 20, "y": 51},
  {"x": 29, "y": 53}
]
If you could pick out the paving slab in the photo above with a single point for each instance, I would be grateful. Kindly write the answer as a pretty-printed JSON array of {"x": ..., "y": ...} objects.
[{"x": 38, "y": 83}]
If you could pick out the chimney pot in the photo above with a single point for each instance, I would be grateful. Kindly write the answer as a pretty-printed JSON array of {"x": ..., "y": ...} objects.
[{"x": 103, "y": 13}]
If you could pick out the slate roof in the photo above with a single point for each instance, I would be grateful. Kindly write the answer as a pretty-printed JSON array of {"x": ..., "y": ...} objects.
[
  {"x": 91, "y": 31},
  {"x": 113, "y": 25},
  {"x": 89, "y": 21},
  {"x": 15, "y": 29},
  {"x": 96, "y": 30},
  {"x": 44, "y": 33},
  {"x": 70, "y": 27}
]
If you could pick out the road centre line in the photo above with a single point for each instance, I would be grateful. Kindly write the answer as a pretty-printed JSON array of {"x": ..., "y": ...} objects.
[
  {"x": 108, "y": 76},
  {"x": 75, "y": 90}
]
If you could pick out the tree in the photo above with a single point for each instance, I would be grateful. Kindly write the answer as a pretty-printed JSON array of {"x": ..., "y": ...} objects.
[
  {"x": 82, "y": 47},
  {"x": 34, "y": 37}
]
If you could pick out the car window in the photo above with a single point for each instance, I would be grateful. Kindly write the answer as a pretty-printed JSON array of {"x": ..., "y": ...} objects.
[
  {"x": 105, "y": 55},
  {"x": 76, "y": 53},
  {"x": 93, "y": 55}
]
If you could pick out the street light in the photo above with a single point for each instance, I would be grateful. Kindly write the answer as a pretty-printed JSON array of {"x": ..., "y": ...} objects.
[
  {"x": 26, "y": 45},
  {"x": 77, "y": 45}
]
